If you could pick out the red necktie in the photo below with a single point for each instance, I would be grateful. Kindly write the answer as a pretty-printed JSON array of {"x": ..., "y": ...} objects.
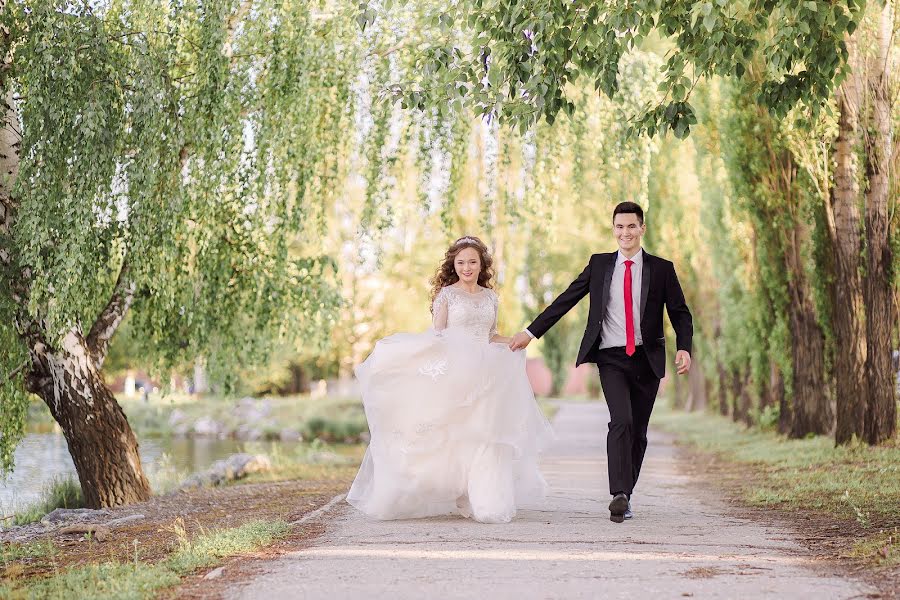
[{"x": 629, "y": 311}]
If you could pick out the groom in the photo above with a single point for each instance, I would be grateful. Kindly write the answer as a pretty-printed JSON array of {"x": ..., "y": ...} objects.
[{"x": 624, "y": 337}]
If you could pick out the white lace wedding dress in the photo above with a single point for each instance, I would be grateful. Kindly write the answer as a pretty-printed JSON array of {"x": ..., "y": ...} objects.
[{"x": 454, "y": 424}]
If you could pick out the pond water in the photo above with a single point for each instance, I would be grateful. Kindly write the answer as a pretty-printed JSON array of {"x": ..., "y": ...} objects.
[{"x": 43, "y": 457}]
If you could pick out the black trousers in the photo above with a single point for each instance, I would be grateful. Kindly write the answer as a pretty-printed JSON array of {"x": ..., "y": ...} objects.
[{"x": 630, "y": 387}]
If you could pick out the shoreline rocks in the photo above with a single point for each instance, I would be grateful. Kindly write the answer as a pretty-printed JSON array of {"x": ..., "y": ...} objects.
[{"x": 236, "y": 466}]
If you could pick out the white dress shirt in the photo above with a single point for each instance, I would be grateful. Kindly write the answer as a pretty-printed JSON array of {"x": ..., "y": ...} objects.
[{"x": 613, "y": 332}]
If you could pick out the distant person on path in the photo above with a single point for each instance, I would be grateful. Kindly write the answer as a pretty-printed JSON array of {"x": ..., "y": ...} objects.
[
  {"x": 455, "y": 427},
  {"x": 624, "y": 337}
]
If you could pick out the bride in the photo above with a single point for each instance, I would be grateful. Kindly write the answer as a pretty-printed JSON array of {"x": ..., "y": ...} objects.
[{"x": 454, "y": 424}]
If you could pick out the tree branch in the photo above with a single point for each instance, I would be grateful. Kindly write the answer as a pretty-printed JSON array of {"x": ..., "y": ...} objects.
[
  {"x": 16, "y": 371},
  {"x": 109, "y": 320}
]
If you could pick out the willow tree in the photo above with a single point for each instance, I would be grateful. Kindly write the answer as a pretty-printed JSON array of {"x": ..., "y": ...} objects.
[
  {"x": 515, "y": 59},
  {"x": 848, "y": 157},
  {"x": 159, "y": 159},
  {"x": 774, "y": 192}
]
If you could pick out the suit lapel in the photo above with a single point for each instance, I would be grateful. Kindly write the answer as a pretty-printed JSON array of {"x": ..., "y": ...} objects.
[{"x": 646, "y": 270}]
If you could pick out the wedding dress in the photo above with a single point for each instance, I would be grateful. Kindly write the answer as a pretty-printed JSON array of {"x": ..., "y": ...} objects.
[{"x": 454, "y": 425}]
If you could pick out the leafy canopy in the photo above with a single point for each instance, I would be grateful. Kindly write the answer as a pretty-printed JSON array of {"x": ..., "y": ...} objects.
[
  {"x": 516, "y": 59},
  {"x": 189, "y": 149}
]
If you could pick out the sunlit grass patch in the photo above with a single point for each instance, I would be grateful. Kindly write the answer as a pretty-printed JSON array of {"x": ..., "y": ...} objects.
[
  {"x": 10, "y": 552},
  {"x": 207, "y": 550},
  {"x": 113, "y": 581},
  {"x": 139, "y": 580},
  {"x": 315, "y": 461},
  {"x": 882, "y": 547},
  {"x": 854, "y": 482}
]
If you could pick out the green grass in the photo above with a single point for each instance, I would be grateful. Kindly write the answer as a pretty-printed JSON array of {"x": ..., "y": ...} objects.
[
  {"x": 10, "y": 552},
  {"x": 856, "y": 482},
  {"x": 210, "y": 549},
  {"x": 315, "y": 460},
  {"x": 59, "y": 493},
  {"x": 112, "y": 581},
  {"x": 136, "y": 580}
]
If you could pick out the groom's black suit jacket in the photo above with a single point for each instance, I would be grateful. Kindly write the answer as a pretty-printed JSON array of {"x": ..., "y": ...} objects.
[{"x": 659, "y": 286}]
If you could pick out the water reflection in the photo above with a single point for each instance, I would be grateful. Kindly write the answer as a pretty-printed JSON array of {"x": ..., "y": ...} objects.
[{"x": 42, "y": 457}]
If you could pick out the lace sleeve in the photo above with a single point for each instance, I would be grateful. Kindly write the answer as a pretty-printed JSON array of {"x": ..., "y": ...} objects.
[
  {"x": 496, "y": 301},
  {"x": 439, "y": 311}
]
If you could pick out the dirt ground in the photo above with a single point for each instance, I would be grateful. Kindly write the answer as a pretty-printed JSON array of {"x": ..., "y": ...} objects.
[
  {"x": 826, "y": 536},
  {"x": 169, "y": 517}
]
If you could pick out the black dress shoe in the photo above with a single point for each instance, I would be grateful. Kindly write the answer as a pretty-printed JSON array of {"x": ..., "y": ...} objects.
[
  {"x": 628, "y": 514},
  {"x": 617, "y": 508}
]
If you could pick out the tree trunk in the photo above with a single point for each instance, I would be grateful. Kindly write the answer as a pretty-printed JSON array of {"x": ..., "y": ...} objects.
[
  {"x": 722, "y": 388},
  {"x": 843, "y": 213},
  {"x": 101, "y": 442},
  {"x": 746, "y": 401},
  {"x": 881, "y": 412},
  {"x": 740, "y": 397},
  {"x": 697, "y": 399},
  {"x": 102, "y": 445},
  {"x": 811, "y": 411},
  {"x": 776, "y": 384}
]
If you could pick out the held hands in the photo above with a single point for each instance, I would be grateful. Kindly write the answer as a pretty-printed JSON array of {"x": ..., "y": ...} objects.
[
  {"x": 683, "y": 361},
  {"x": 519, "y": 341}
]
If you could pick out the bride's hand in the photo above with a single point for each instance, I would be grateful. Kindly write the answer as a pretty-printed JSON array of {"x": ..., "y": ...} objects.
[{"x": 519, "y": 341}]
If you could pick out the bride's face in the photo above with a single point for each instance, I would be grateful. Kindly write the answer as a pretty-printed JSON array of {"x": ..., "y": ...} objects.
[{"x": 468, "y": 265}]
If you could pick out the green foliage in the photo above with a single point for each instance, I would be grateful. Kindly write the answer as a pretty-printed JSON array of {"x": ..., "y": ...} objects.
[
  {"x": 750, "y": 144},
  {"x": 518, "y": 60},
  {"x": 203, "y": 193},
  {"x": 334, "y": 430},
  {"x": 14, "y": 400},
  {"x": 767, "y": 418},
  {"x": 192, "y": 150},
  {"x": 59, "y": 493}
]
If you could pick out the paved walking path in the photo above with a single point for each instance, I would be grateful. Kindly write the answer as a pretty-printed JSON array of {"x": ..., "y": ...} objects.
[{"x": 674, "y": 548}]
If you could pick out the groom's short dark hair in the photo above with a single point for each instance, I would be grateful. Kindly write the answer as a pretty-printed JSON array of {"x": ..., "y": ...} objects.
[{"x": 629, "y": 207}]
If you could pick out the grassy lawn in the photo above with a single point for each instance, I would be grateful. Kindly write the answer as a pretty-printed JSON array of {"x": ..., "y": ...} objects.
[
  {"x": 313, "y": 461},
  {"x": 137, "y": 579},
  {"x": 182, "y": 532},
  {"x": 855, "y": 484}
]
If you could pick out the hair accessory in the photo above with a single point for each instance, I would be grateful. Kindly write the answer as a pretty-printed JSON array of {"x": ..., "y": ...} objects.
[{"x": 465, "y": 240}]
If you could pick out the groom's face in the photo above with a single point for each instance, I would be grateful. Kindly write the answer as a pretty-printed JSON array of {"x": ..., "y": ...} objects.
[{"x": 628, "y": 231}]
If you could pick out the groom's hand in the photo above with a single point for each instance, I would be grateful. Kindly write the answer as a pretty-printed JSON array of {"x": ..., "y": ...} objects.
[
  {"x": 683, "y": 361},
  {"x": 519, "y": 341}
]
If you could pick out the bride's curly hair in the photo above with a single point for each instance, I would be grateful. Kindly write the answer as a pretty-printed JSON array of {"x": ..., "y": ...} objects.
[{"x": 446, "y": 273}]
